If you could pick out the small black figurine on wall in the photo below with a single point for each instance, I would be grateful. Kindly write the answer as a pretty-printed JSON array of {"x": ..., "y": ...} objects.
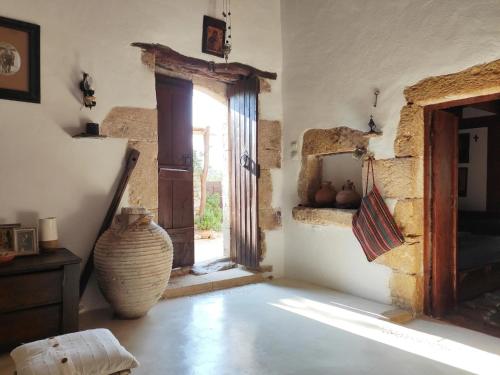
[{"x": 88, "y": 93}]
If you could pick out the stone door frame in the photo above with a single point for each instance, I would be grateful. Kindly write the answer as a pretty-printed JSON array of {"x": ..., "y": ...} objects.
[{"x": 429, "y": 229}]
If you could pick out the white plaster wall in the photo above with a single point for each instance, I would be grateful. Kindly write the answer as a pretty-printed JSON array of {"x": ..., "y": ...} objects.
[
  {"x": 477, "y": 174},
  {"x": 46, "y": 172},
  {"x": 335, "y": 53}
]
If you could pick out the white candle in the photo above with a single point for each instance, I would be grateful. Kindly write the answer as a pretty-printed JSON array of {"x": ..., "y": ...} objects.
[{"x": 47, "y": 229}]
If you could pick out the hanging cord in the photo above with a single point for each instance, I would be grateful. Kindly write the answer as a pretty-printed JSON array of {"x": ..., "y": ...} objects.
[
  {"x": 226, "y": 13},
  {"x": 370, "y": 167}
]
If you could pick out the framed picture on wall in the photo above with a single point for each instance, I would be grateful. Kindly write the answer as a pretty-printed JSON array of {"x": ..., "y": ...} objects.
[
  {"x": 463, "y": 147},
  {"x": 214, "y": 34},
  {"x": 19, "y": 60},
  {"x": 462, "y": 181}
]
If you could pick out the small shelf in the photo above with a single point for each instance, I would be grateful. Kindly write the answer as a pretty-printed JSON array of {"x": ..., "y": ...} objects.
[
  {"x": 373, "y": 134},
  {"x": 323, "y": 216},
  {"x": 91, "y": 136}
]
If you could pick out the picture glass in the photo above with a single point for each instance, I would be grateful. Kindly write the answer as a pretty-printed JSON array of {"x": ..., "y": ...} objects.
[
  {"x": 215, "y": 39},
  {"x": 6, "y": 239},
  {"x": 14, "y": 59}
]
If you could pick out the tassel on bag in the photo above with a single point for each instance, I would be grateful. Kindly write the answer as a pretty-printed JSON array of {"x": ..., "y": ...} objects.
[{"x": 373, "y": 224}]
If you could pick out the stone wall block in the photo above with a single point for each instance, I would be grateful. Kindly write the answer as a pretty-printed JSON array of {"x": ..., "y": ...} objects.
[
  {"x": 309, "y": 179},
  {"x": 398, "y": 178},
  {"x": 265, "y": 189},
  {"x": 333, "y": 141},
  {"x": 269, "y": 219},
  {"x": 407, "y": 258},
  {"x": 323, "y": 216},
  {"x": 410, "y": 136},
  {"x": 143, "y": 184},
  {"x": 409, "y": 216},
  {"x": 475, "y": 81},
  {"x": 407, "y": 291},
  {"x": 264, "y": 85},
  {"x": 137, "y": 124},
  {"x": 269, "y": 135}
]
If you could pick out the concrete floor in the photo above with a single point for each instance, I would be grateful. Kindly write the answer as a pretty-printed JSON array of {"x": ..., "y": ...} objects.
[{"x": 288, "y": 327}]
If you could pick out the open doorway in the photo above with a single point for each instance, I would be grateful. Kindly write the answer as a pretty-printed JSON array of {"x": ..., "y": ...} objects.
[
  {"x": 463, "y": 212},
  {"x": 230, "y": 125},
  {"x": 211, "y": 177}
]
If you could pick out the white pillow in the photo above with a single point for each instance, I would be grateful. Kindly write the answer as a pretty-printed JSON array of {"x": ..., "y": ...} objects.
[{"x": 92, "y": 352}]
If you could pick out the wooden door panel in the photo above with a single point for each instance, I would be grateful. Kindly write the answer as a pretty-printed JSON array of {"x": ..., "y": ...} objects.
[
  {"x": 444, "y": 185},
  {"x": 183, "y": 241},
  {"x": 182, "y": 137},
  {"x": 183, "y": 203},
  {"x": 175, "y": 174},
  {"x": 243, "y": 129},
  {"x": 165, "y": 218},
  {"x": 174, "y": 122}
]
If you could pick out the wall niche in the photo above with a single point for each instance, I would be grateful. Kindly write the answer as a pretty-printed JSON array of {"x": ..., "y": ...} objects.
[{"x": 327, "y": 155}]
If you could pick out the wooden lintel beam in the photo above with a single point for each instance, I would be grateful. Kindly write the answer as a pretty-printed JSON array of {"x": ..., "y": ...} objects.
[{"x": 167, "y": 58}]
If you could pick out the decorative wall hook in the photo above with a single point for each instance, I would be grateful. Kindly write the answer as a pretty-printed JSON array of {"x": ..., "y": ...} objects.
[
  {"x": 376, "y": 93},
  {"x": 371, "y": 123},
  {"x": 361, "y": 153},
  {"x": 89, "y": 100}
]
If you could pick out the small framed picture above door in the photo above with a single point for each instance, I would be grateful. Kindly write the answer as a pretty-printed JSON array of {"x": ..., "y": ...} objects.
[
  {"x": 214, "y": 34},
  {"x": 19, "y": 60}
]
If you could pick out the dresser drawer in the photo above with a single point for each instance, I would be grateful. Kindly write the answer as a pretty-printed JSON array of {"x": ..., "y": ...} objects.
[
  {"x": 23, "y": 291},
  {"x": 29, "y": 325}
]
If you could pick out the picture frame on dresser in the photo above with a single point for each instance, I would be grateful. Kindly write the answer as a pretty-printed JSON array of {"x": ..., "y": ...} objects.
[
  {"x": 7, "y": 236},
  {"x": 25, "y": 241},
  {"x": 19, "y": 60}
]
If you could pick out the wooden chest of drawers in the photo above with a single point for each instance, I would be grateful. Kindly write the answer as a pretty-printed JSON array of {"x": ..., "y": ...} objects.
[{"x": 38, "y": 297}]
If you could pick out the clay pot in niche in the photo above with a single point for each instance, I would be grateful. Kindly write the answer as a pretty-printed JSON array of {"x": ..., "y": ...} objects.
[
  {"x": 325, "y": 196},
  {"x": 348, "y": 197}
]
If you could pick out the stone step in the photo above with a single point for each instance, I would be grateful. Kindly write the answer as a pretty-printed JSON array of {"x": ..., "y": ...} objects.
[{"x": 188, "y": 285}]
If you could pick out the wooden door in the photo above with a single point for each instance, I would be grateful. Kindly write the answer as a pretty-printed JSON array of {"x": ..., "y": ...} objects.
[
  {"x": 175, "y": 165},
  {"x": 443, "y": 216},
  {"x": 243, "y": 101}
]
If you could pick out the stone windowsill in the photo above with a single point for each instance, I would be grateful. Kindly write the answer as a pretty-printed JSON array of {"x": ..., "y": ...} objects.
[{"x": 324, "y": 216}]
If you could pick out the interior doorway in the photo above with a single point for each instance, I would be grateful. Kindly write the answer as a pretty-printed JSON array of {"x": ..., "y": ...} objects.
[{"x": 462, "y": 198}]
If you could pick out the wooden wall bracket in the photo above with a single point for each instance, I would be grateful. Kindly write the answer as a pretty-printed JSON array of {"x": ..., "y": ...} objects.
[{"x": 167, "y": 58}]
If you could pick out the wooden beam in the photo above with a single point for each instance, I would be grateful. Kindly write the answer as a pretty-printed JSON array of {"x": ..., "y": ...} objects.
[
  {"x": 167, "y": 58},
  {"x": 132, "y": 157}
]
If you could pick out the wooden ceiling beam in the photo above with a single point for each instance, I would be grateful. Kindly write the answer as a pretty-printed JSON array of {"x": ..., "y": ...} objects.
[{"x": 167, "y": 58}]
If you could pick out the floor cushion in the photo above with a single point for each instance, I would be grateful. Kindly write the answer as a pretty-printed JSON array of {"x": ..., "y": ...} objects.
[{"x": 95, "y": 352}]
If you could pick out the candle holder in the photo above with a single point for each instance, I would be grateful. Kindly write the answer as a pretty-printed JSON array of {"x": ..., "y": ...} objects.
[{"x": 47, "y": 232}]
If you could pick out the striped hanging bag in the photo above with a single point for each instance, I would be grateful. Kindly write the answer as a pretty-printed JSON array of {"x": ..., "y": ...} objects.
[{"x": 373, "y": 224}]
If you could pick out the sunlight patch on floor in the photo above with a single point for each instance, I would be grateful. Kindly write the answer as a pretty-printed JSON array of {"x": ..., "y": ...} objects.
[{"x": 426, "y": 345}]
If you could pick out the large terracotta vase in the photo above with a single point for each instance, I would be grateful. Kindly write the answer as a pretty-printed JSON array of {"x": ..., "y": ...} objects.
[{"x": 133, "y": 261}]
